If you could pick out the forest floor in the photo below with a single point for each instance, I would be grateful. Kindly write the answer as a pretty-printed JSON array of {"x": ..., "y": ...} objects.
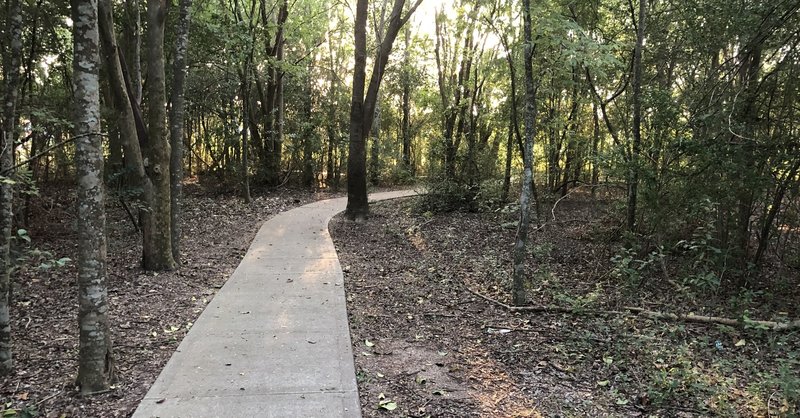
[
  {"x": 425, "y": 344},
  {"x": 150, "y": 312}
]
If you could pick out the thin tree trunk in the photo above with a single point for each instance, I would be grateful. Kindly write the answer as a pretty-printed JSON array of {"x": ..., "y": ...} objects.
[
  {"x": 595, "y": 147},
  {"x": 308, "y": 134},
  {"x": 633, "y": 177},
  {"x": 95, "y": 364},
  {"x": 177, "y": 116},
  {"x": 375, "y": 163},
  {"x": 406, "y": 123},
  {"x": 158, "y": 241},
  {"x": 133, "y": 39},
  {"x": 115, "y": 159},
  {"x": 509, "y": 157},
  {"x": 272, "y": 101},
  {"x": 520, "y": 246},
  {"x": 245, "y": 138},
  {"x": 14, "y": 33}
]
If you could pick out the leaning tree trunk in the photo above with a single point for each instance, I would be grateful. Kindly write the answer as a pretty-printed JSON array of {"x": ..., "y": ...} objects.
[
  {"x": 95, "y": 364},
  {"x": 14, "y": 33},
  {"x": 176, "y": 120},
  {"x": 157, "y": 235},
  {"x": 521, "y": 242},
  {"x": 124, "y": 101}
]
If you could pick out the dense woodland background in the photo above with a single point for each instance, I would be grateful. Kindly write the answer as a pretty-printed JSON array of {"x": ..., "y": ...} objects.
[{"x": 681, "y": 118}]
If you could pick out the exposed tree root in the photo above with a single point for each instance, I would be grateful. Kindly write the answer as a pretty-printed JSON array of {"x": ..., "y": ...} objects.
[{"x": 628, "y": 310}]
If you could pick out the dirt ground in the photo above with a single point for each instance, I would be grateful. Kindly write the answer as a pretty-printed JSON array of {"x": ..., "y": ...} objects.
[
  {"x": 150, "y": 312},
  {"x": 426, "y": 345}
]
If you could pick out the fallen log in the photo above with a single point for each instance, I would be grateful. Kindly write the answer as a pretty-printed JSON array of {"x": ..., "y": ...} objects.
[{"x": 627, "y": 310}]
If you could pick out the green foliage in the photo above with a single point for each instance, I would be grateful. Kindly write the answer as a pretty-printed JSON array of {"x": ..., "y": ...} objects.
[
  {"x": 705, "y": 266},
  {"x": 788, "y": 384},
  {"x": 28, "y": 411},
  {"x": 675, "y": 377},
  {"x": 444, "y": 196},
  {"x": 397, "y": 175},
  {"x": 24, "y": 254},
  {"x": 628, "y": 267},
  {"x": 122, "y": 191},
  {"x": 490, "y": 195}
]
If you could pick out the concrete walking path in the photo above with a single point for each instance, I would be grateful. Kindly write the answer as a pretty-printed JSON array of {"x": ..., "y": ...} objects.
[{"x": 274, "y": 341}]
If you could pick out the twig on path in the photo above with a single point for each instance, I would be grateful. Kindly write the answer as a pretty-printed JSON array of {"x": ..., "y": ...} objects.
[
  {"x": 49, "y": 397},
  {"x": 521, "y": 308},
  {"x": 511, "y": 328},
  {"x": 553, "y": 209}
]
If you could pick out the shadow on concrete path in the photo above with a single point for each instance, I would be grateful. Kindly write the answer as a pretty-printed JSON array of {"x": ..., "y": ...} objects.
[{"x": 274, "y": 341}]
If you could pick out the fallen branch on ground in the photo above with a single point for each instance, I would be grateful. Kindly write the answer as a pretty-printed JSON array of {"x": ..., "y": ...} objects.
[{"x": 627, "y": 310}]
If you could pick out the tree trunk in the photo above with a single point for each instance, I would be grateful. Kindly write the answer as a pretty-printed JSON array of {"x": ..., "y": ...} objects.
[
  {"x": 95, "y": 364},
  {"x": 272, "y": 100},
  {"x": 745, "y": 168},
  {"x": 595, "y": 148},
  {"x": 14, "y": 33},
  {"x": 176, "y": 122},
  {"x": 375, "y": 154},
  {"x": 133, "y": 40},
  {"x": 245, "y": 139},
  {"x": 774, "y": 209},
  {"x": 509, "y": 157},
  {"x": 115, "y": 156},
  {"x": 406, "y": 123},
  {"x": 308, "y": 133},
  {"x": 158, "y": 235},
  {"x": 633, "y": 176},
  {"x": 123, "y": 101},
  {"x": 357, "y": 204},
  {"x": 363, "y": 105},
  {"x": 520, "y": 246}
]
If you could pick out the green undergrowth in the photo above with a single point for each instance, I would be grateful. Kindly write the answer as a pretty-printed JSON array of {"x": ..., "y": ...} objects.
[{"x": 630, "y": 363}]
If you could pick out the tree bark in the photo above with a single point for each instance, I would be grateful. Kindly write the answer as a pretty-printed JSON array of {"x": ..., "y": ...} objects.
[
  {"x": 177, "y": 115},
  {"x": 509, "y": 157},
  {"x": 308, "y": 132},
  {"x": 374, "y": 151},
  {"x": 520, "y": 246},
  {"x": 357, "y": 204},
  {"x": 595, "y": 149},
  {"x": 272, "y": 99},
  {"x": 133, "y": 40},
  {"x": 406, "y": 123},
  {"x": 633, "y": 176},
  {"x": 362, "y": 110},
  {"x": 123, "y": 101},
  {"x": 158, "y": 240},
  {"x": 245, "y": 137},
  {"x": 9, "y": 126},
  {"x": 95, "y": 365}
]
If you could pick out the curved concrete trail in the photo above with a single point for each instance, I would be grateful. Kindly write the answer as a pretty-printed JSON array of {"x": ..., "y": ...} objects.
[{"x": 274, "y": 341}]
